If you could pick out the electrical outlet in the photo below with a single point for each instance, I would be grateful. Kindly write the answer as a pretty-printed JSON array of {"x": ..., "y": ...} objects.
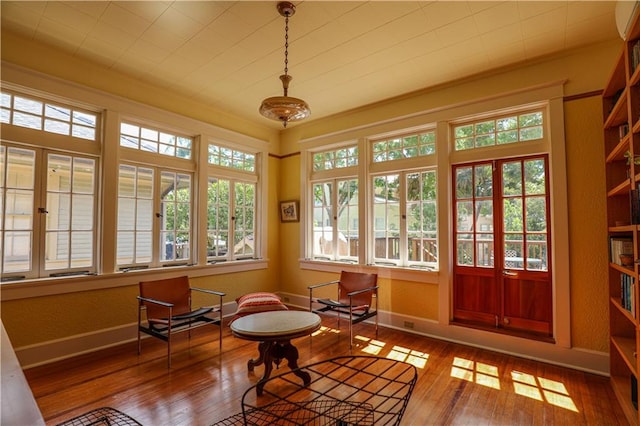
[{"x": 408, "y": 324}]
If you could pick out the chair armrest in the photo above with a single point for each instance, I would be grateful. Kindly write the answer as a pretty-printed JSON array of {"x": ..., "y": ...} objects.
[
  {"x": 157, "y": 302},
  {"x": 204, "y": 290},
  {"x": 322, "y": 284},
  {"x": 364, "y": 290}
]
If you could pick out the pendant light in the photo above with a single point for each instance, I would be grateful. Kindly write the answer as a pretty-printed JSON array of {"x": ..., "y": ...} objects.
[{"x": 285, "y": 108}]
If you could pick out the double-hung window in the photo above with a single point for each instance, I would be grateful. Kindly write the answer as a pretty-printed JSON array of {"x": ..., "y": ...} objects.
[
  {"x": 231, "y": 204},
  {"x": 48, "y": 193},
  {"x": 155, "y": 220}
]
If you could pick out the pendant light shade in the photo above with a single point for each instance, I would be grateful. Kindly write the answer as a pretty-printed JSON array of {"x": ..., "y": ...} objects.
[{"x": 285, "y": 108}]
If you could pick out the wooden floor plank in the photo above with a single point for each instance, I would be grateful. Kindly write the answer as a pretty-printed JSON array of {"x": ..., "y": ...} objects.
[{"x": 457, "y": 384}]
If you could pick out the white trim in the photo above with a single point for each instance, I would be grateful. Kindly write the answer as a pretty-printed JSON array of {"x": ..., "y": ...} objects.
[
  {"x": 55, "y": 350},
  {"x": 50, "y": 286},
  {"x": 576, "y": 358}
]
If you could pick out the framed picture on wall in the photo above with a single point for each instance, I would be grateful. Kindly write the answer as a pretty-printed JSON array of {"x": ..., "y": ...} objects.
[{"x": 289, "y": 211}]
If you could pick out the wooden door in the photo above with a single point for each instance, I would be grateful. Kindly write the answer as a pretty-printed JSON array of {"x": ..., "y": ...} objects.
[{"x": 502, "y": 246}]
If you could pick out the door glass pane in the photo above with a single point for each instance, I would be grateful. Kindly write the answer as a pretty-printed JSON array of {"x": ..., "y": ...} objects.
[
  {"x": 464, "y": 247},
  {"x": 525, "y": 214},
  {"x": 534, "y": 177},
  {"x": 512, "y": 178},
  {"x": 464, "y": 183},
  {"x": 483, "y": 180},
  {"x": 484, "y": 233}
]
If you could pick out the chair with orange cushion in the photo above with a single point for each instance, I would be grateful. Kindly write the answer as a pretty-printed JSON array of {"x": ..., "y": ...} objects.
[
  {"x": 356, "y": 292},
  {"x": 167, "y": 303}
]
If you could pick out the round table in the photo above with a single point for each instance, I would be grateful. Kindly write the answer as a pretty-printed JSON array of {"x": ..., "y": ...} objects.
[{"x": 274, "y": 330}]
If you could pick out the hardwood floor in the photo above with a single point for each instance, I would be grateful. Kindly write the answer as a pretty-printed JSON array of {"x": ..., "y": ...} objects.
[{"x": 456, "y": 384}]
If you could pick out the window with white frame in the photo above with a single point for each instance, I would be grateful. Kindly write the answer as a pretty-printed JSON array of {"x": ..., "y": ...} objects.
[
  {"x": 231, "y": 204},
  {"x": 400, "y": 228},
  {"x": 48, "y": 212},
  {"x": 499, "y": 130},
  {"x": 153, "y": 140},
  {"x": 155, "y": 220},
  {"x": 33, "y": 113},
  {"x": 335, "y": 200}
]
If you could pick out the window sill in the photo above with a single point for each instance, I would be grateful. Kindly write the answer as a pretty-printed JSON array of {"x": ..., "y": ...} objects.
[
  {"x": 394, "y": 273},
  {"x": 14, "y": 290}
]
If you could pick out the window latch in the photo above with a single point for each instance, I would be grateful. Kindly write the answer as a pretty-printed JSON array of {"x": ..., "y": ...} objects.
[{"x": 42, "y": 210}]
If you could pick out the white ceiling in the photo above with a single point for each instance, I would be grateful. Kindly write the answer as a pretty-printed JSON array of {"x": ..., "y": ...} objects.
[{"x": 342, "y": 54}]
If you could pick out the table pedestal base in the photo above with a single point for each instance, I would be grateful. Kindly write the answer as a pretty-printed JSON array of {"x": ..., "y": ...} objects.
[{"x": 274, "y": 352}]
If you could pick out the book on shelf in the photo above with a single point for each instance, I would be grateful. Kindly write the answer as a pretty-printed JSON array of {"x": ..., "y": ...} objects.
[
  {"x": 628, "y": 293},
  {"x": 634, "y": 205},
  {"x": 620, "y": 245},
  {"x": 623, "y": 130},
  {"x": 635, "y": 55}
]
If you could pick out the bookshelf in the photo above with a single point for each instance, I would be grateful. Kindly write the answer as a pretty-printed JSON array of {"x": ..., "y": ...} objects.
[{"x": 621, "y": 108}]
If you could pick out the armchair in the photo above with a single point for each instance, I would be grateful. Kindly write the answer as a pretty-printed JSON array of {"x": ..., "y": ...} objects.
[
  {"x": 356, "y": 291},
  {"x": 167, "y": 303}
]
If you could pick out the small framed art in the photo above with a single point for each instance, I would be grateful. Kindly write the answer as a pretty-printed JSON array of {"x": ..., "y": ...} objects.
[{"x": 289, "y": 211}]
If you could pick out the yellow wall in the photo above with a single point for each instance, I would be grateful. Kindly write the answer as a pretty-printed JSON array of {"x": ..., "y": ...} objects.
[
  {"x": 36, "y": 320},
  {"x": 587, "y": 223}
]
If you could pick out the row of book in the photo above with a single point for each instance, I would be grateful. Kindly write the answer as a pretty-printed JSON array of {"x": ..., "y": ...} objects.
[
  {"x": 620, "y": 245},
  {"x": 628, "y": 293},
  {"x": 635, "y": 55}
]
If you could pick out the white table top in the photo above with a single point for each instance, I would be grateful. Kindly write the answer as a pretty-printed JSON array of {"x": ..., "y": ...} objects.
[{"x": 276, "y": 323}]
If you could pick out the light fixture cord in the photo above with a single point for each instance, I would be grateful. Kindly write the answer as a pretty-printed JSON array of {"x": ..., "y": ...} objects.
[{"x": 286, "y": 49}]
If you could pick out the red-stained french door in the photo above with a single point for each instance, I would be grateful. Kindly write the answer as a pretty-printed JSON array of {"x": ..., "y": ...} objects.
[{"x": 502, "y": 250}]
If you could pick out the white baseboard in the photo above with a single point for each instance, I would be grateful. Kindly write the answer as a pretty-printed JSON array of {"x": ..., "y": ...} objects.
[
  {"x": 576, "y": 358},
  {"x": 55, "y": 350}
]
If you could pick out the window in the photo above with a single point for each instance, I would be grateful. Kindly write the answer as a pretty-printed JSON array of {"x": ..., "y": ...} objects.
[
  {"x": 48, "y": 220},
  {"x": 231, "y": 204},
  {"x": 408, "y": 146},
  {"x": 35, "y": 114},
  {"x": 153, "y": 140},
  {"x": 335, "y": 200},
  {"x": 148, "y": 236},
  {"x": 335, "y": 239},
  {"x": 399, "y": 204},
  {"x": 501, "y": 130},
  {"x": 405, "y": 219},
  {"x": 155, "y": 220}
]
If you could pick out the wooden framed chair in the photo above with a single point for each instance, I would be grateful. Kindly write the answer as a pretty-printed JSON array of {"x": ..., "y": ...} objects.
[
  {"x": 356, "y": 293},
  {"x": 167, "y": 303}
]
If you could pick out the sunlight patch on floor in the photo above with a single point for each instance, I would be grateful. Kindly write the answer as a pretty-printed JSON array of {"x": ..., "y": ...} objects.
[
  {"x": 541, "y": 389},
  {"x": 324, "y": 329},
  {"x": 415, "y": 358},
  {"x": 373, "y": 347},
  {"x": 475, "y": 372}
]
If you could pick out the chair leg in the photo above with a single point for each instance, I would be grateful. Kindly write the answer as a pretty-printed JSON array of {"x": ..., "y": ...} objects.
[
  {"x": 350, "y": 326},
  {"x": 169, "y": 341},
  {"x": 139, "y": 319},
  {"x": 220, "y": 326}
]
